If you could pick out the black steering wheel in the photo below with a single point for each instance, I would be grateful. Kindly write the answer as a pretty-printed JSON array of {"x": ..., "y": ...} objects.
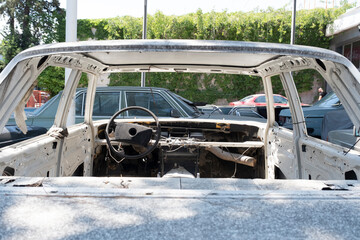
[{"x": 133, "y": 134}]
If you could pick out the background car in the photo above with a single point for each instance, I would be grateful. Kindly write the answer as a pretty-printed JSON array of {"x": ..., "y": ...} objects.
[
  {"x": 313, "y": 115},
  {"x": 260, "y": 100},
  {"x": 215, "y": 110},
  {"x": 232, "y": 111},
  {"x": 109, "y": 100},
  {"x": 243, "y": 112}
]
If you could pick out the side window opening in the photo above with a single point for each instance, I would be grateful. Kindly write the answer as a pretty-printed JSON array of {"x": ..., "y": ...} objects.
[
  {"x": 42, "y": 105},
  {"x": 325, "y": 119}
]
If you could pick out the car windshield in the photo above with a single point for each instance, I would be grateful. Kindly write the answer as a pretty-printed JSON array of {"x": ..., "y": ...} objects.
[
  {"x": 225, "y": 110},
  {"x": 191, "y": 110},
  {"x": 328, "y": 101},
  {"x": 246, "y": 98}
]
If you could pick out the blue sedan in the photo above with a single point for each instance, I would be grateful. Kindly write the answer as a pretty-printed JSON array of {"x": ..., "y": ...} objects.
[
  {"x": 313, "y": 115},
  {"x": 109, "y": 100}
]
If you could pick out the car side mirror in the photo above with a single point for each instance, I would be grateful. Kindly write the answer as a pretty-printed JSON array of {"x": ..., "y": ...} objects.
[{"x": 175, "y": 113}]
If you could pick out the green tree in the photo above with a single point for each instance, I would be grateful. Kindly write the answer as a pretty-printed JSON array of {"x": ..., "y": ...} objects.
[
  {"x": 261, "y": 26},
  {"x": 52, "y": 79},
  {"x": 29, "y": 23}
]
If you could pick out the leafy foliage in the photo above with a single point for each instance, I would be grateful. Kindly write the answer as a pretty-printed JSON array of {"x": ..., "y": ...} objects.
[
  {"x": 261, "y": 26},
  {"x": 52, "y": 79},
  {"x": 29, "y": 23}
]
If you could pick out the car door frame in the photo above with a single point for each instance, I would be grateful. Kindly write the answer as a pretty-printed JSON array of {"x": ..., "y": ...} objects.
[{"x": 313, "y": 158}]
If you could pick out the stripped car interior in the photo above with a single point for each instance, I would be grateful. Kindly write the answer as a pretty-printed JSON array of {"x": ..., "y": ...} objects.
[{"x": 178, "y": 147}]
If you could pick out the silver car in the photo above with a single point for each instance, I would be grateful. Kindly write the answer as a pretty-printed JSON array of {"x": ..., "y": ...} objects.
[
  {"x": 161, "y": 101},
  {"x": 158, "y": 178},
  {"x": 197, "y": 138}
]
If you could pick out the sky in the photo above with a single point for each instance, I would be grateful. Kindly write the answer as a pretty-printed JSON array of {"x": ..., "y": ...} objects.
[
  {"x": 135, "y": 8},
  {"x": 113, "y": 8}
]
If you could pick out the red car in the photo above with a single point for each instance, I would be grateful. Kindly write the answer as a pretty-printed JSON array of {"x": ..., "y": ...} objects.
[{"x": 260, "y": 100}]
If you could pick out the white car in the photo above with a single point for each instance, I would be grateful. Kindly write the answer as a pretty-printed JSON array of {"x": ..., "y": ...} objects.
[{"x": 158, "y": 154}]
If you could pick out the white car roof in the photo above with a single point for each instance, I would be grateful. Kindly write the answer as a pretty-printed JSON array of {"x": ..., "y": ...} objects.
[
  {"x": 214, "y": 53},
  {"x": 99, "y": 57}
]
